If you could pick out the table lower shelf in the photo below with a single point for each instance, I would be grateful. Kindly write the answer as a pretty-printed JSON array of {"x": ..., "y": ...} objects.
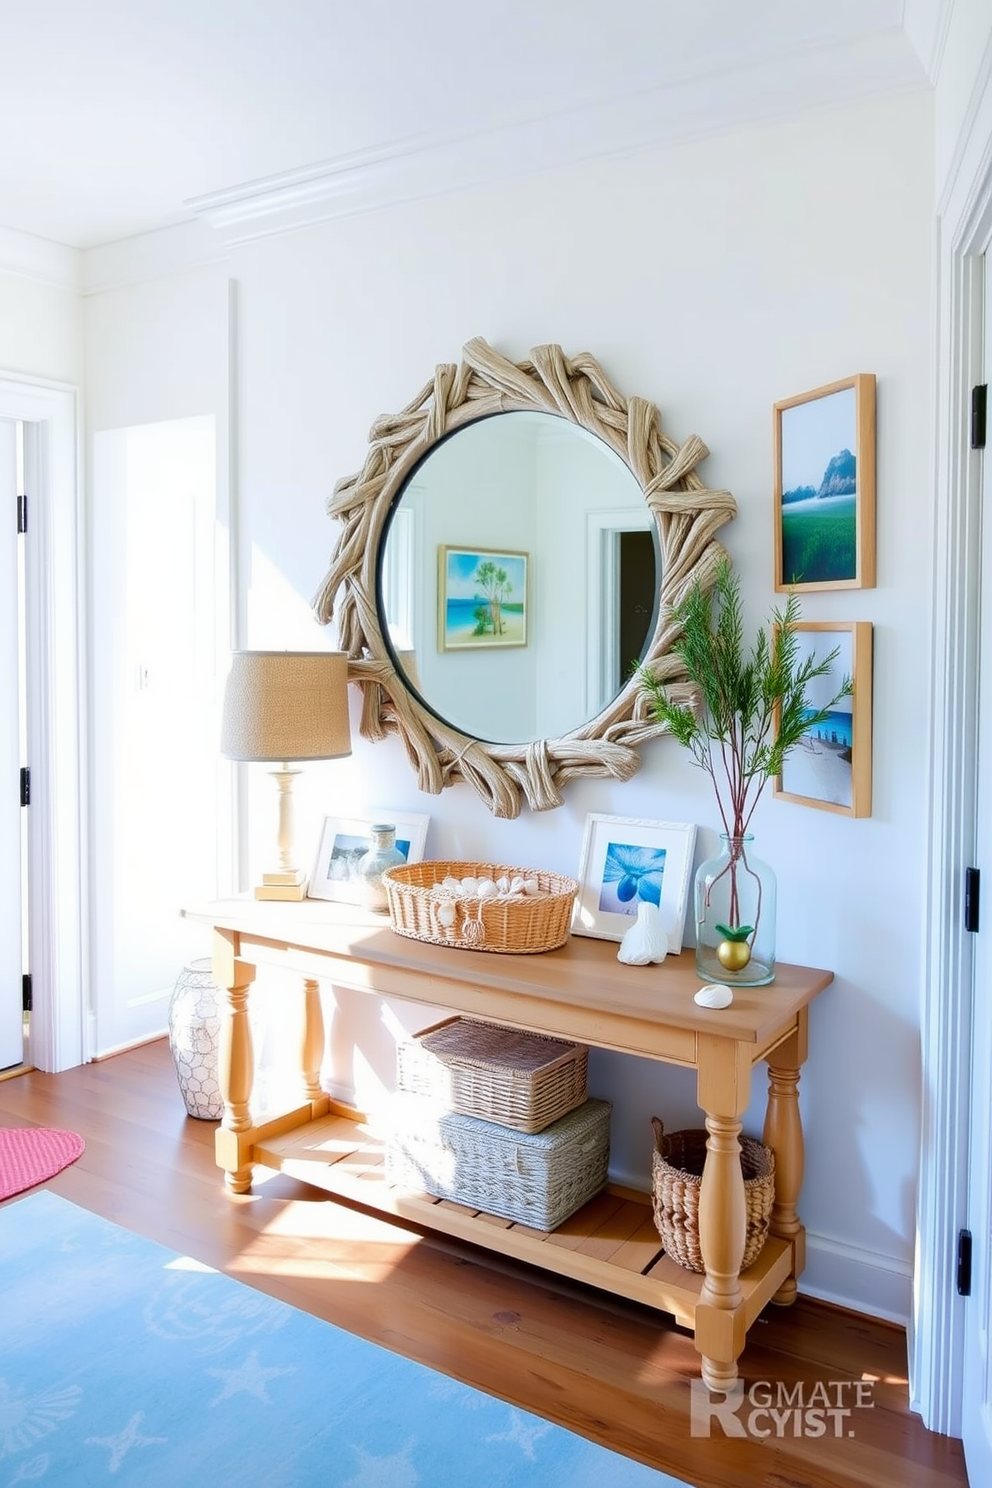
[{"x": 611, "y": 1242}]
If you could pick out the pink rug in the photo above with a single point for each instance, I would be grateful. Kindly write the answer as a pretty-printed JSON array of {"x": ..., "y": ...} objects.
[{"x": 30, "y": 1154}]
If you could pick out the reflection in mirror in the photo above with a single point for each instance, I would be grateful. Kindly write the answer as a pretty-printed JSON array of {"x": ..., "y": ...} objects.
[
  {"x": 518, "y": 577},
  {"x": 541, "y": 695}
]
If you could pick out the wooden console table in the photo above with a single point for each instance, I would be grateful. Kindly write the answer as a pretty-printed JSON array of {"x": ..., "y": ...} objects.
[{"x": 578, "y": 992}]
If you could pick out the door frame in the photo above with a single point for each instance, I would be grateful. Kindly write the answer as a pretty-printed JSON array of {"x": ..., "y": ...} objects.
[
  {"x": 937, "y": 1335},
  {"x": 56, "y": 659}
]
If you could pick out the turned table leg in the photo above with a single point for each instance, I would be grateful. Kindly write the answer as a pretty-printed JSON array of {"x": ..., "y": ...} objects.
[
  {"x": 724, "y": 1083},
  {"x": 236, "y": 1065},
  {"x": 783, "y": 1132},
  {"x": 311, "y": 1040}
]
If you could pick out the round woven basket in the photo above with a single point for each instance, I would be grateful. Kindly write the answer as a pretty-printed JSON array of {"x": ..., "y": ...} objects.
[
  {"x": 517, "y": 925},
  {"x": 677, "y": 1173}
]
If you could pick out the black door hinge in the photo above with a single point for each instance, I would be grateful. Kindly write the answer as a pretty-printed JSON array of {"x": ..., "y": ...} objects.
[
  {"x": 964, "y": 1263},
  {"x": 979, "y": 405},
  {"x": 27, "y": 999},
  {"x": 972, "y": 897},
  {"x": 25, "y": 787},
  {"x": 22, "y": 514}
]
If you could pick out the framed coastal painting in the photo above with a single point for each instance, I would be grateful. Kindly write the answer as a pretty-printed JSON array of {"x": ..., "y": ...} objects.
[
  {"x": 482, "y": 599},
  {"x": 825, "y": 487},
  {"x": 625, "y": 860},
  {"x": 830, "y": 767},
  {"x": 344, "y": 841}
]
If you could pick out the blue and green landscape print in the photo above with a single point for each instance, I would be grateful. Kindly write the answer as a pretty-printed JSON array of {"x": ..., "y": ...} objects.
[
  {"x": 484, "y": 598},
  {"x": 630, "y": 876},
  {"x": 819, "y": 490}
]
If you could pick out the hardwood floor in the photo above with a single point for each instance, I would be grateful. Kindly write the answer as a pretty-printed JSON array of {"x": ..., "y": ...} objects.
[{"x": 608, "y": 1369}]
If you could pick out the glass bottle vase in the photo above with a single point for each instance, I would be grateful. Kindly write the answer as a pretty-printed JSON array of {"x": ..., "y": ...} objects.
[
  {"x": 735, "y": 895},
  {"x": 382, "y": 854}
]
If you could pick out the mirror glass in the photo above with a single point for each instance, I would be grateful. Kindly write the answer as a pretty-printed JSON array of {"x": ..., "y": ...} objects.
[{"x": 519, "y": 577}]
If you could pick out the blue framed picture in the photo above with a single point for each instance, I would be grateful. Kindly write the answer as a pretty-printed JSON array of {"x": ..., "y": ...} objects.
[
  {"x": 482, "y": 599},
  {"x": 627, "y": 861},
  {"x": 825, "y": 487}
]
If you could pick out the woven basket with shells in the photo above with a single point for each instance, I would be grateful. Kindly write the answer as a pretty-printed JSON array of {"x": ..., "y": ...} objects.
[{"x": 481, "y": 906}]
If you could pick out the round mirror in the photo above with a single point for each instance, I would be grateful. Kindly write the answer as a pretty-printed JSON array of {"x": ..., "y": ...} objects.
[
  {"x": 518, "y": 536},
  {"x": 518, "y": 579}
]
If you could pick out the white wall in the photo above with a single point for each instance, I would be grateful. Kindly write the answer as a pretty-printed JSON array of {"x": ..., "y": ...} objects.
[
  {"x": 41, "y": 329},
  {"x": 712, "y": 278}
]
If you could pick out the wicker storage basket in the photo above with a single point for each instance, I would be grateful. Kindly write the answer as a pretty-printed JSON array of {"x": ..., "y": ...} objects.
[
  {"x": 533, "y": 1178},
  {"x": 523, "y": 1080},
  {"x": 677, "y": 1170},
  {"x": 536, "y": 922}
]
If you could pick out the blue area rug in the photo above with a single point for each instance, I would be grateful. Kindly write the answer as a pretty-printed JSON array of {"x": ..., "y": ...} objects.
[{"x": 124, "y": 1363}]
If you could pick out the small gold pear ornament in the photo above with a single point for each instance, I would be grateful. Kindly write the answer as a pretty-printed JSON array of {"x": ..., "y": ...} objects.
[{"x": 734, "y": 950}]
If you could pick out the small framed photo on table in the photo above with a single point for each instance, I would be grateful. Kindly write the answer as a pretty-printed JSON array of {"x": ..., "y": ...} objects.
[
  {"x": 344, "y": 841},
  {"x": 625, "y": 861}
]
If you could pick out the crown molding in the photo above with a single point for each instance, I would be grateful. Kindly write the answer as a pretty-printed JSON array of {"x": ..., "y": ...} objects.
[
  {"x": 927, "y": 23},
  {"x": 152, "y": 255},
  {"x": 38, "y": 258},
  {"x": 828, "y": 75}
]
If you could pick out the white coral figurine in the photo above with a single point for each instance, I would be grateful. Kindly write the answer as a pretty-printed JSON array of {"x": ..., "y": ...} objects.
[{"x": 646, "y": 939}]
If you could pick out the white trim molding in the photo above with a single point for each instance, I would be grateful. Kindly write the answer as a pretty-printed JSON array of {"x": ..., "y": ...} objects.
[
  {"x": 863, "y": 1280},
  {"x": 37, "y": 258},
  {"x": 963, "y": 232},
  {"x": 866, "y": 67},
  {"x": 55, "y": 724}
]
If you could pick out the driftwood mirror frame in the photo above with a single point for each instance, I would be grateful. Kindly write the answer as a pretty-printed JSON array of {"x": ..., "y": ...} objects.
[{"x": 686, "y": 512}]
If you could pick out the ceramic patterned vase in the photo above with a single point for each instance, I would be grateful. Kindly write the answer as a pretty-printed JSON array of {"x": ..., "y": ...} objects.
[{"x": 194, "y": 1038}]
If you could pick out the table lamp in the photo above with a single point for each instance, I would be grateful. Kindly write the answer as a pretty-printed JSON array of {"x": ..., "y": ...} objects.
[{"x": 284, "y": 707}]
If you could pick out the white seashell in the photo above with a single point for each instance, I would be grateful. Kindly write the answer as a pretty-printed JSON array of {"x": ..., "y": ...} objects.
[
  {"x": 516, "y": 884},
  {"x": 714, "y": 997},
  {"x": 453, "y": 885},
  {"x": 531, "y": 886},
  {"x": 446, "y": 915},
  {"x": 470, "y": 885},
  {"x": 486, "y": 889},
  {"x": 503, "y": 884},
  {"x": 646, "y": 940}
]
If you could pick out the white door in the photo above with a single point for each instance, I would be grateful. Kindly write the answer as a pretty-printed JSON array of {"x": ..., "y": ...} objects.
[
  {"x": 155, "y": 631},
  {"x": 11, "y": 963},
  {"x": 977, "y": 1411}
]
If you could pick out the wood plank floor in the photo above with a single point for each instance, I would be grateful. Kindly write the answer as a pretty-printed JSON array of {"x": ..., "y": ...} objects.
[{"x": 611, "y": 1370}]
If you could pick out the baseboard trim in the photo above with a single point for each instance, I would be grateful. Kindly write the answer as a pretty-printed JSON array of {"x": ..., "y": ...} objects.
[
  {"x": 113, "y": 1049},
  {"x": 865, "y": 1281}
]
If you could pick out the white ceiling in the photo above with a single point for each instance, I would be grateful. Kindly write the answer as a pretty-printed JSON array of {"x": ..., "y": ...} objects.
[{"x": 117, "y": 115}]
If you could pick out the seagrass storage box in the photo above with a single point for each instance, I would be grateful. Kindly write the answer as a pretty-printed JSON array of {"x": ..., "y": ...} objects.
[
  {"x": 516, "y": 923},
  {"x": 676, "y": 1179},
  {"x": 534, "y": 1178},
  {"x": 518, "y": 1079}
]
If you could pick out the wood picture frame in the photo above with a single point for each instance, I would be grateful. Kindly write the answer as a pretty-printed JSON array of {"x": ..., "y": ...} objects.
[
  {"x": 483, "y": 597},
  {"x": 345, "y": 839},
  {"x": 626, "y": 859},
  {"x": 831, "y": 770},
  {"x": 824, "y": 487}
]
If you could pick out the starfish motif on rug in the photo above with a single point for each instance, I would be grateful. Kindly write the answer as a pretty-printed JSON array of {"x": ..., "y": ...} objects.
[
  {"x": 122, "y": 1443},
  {"x": 395, "y": 1471},
  {"x": 522, "y": 1433},
  {"x": 250, "y": 1378}
]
